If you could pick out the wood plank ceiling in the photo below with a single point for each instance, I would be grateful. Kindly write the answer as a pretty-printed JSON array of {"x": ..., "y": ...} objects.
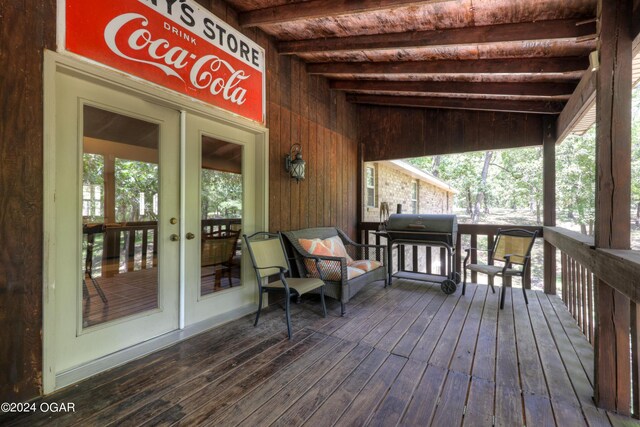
[{"x": 500, "y": 55}]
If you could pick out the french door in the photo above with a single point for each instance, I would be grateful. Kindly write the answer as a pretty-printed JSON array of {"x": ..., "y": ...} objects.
[
  {"x": 220, "y": 205},
  {"x": 150, "y": 205},
  {"x": 117, "y": 221}
]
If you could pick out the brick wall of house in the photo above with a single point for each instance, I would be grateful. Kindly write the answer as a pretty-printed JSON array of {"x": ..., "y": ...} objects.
[{"x": 394, "y": 187}]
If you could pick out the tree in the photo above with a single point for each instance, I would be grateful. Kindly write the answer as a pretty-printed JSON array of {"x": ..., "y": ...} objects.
[
  {"x": 575, "y": 179},
  {"x": 137, "y": 185},
  {"x": 519, "y": 180},
  {"x": 221, "y": 194},
  {"x": 463, "y": 172}
]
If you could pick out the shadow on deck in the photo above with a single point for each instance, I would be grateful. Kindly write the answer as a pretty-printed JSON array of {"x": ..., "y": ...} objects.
[{"x": 405, "y": 355}]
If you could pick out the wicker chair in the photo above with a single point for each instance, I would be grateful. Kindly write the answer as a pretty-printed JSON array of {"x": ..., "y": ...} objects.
[
  {"x": 269, "y": 258},
  {"x": 511, "y": 247},
  {"x": 341, "y": 289}
]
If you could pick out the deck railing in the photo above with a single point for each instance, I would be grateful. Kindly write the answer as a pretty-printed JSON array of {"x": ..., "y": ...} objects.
[
  {"x": 582, "y": 267},
  {"x": 211, "y": 225},
  {"x": 130, "y": 246},
  {"x": 432, "y": 260}
]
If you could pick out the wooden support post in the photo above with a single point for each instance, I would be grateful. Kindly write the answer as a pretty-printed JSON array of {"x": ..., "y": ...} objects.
[
  {"x": 613, "y": 184},
  {"x": 549, "y": 147}
]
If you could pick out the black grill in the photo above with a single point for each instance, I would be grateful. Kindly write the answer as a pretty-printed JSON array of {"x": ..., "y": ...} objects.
[
  {"x": 427, "y": 230},
  {"x": 437, "y": 229}
]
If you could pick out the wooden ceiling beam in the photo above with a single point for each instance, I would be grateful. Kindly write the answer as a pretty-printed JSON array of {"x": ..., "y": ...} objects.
[
  {"x": 490, "y": 88},
  {"x": 480, "y": 66},
  {"x": 538, "y": 107},
  {"x": 580, "y": 102},
  {"x": 320, "y": 9},
  {"x": 526, "y": 31}
]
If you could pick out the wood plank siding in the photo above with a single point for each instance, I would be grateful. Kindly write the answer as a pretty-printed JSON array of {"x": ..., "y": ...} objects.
[
  {"x": 407, "y": 355},
  {"x": 301, "y": 108},
  {"x": 396, "y": 133}
]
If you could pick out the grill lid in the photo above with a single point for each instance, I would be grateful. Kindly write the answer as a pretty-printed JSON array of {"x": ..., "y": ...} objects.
[
  {"x": 426, "y": 224},
  {"x": 426, "y": 229}
]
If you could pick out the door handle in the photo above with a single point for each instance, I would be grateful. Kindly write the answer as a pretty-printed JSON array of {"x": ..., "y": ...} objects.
[
  {"x": 191, "y": 236},
  {"x": 174, "y": 238}
]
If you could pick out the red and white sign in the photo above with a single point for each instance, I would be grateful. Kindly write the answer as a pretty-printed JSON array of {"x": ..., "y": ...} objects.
[{"x": 174, "y": 43}]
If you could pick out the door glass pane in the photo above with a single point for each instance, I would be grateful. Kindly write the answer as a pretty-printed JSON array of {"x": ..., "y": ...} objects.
[
  {"x": 221, "y": 215},
  {"x": 120, "y": 190}
]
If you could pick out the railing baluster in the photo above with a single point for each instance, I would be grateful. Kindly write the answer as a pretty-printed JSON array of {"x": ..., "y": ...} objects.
[
  {"x": 155, "y": 246},
  {"x": 490, "y": 242},
  {"x": 414, "y": 252},
  {"x": 145, "y": 241},
  {"x": 575, "y": 289},
  {"x": 579, "y": 297},
  {"x": 429, "y": 260},
  {"x": 564, "y": 278},
  {"x": 459, "y": 255},
  {"x": 131, "y": 250},
  {"x": 474, "y": 257},
  {"x": 591, "y": 307},
  {"x": 635, "y": 358},
  {"x": 583, "y": 293},
  {"x": 570, "y": 293}
]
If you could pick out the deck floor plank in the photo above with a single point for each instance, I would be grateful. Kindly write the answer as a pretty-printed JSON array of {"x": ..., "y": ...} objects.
[
  {"x": 425, "y": 398},
  {"x": 395, "y": 403},
  {"x": 453, "y": 308},
  {"x": 480, "y": 403},
  {"x": 333, "y": 408},
  {"x": 304, "y": 407},
  {"x": 405, "y": 355},
  {"x": 531, "y": 373},
  {"x": 408, "y": 341},
  {"x": 391, "y": 319},
  {"x": 484, "y": 362},
  {"x": 191, "y": 397},
  {"x": 558, "y": 381},
  {"x": 583, "y": 348},
  {"x": 360, "y": 410},
  {"x": 395, "y": 334},
  {"x": 462, "y": 358},
  {"x": 452, "y": 400},
  {"x": 281, "y": 401},
  {"x": 242, "y": 408}
]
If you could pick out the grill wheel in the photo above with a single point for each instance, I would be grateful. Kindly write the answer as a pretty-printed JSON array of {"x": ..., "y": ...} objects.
[{"x": 448, "y": 286}]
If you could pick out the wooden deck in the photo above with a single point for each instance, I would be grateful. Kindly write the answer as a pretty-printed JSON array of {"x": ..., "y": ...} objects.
[
  {"x": 137, "y": 291},
  {"x": 405, "y": 355}
]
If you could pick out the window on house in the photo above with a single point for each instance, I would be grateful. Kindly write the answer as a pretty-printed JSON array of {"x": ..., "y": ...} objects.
[
  {"x": 414, "y": 197},
  {"x": 370, "y": 181}
]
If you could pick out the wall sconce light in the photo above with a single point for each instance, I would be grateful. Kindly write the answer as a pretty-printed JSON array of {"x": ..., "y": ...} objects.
[{"x": 294, "y": 164}]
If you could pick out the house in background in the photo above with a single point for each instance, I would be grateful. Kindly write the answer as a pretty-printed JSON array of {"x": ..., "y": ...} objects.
[{"x": 397, "y": 182}]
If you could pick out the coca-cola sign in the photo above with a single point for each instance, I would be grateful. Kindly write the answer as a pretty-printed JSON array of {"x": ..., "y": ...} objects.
[{"x": 173, "y": 43}]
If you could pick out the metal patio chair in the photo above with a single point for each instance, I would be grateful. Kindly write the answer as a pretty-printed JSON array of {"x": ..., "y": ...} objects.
[
  {"x": 269, "y": 258},
  {"x": 513, "y": 248}
]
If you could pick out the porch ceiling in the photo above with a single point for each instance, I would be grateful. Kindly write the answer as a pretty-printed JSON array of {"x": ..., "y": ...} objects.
[{"x": 444, "y": 51}]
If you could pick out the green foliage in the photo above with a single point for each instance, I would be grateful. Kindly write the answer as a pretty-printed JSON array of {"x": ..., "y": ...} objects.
[
  {"x": 575, "y": 179},
  {"x": 92, "y": 183},
  {"x": 137, "y": 183},
  {"x": 221, "y": 194}
]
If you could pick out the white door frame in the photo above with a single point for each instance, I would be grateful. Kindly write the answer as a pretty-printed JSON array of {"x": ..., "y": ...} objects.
[{"x": 89, "y": 70}]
